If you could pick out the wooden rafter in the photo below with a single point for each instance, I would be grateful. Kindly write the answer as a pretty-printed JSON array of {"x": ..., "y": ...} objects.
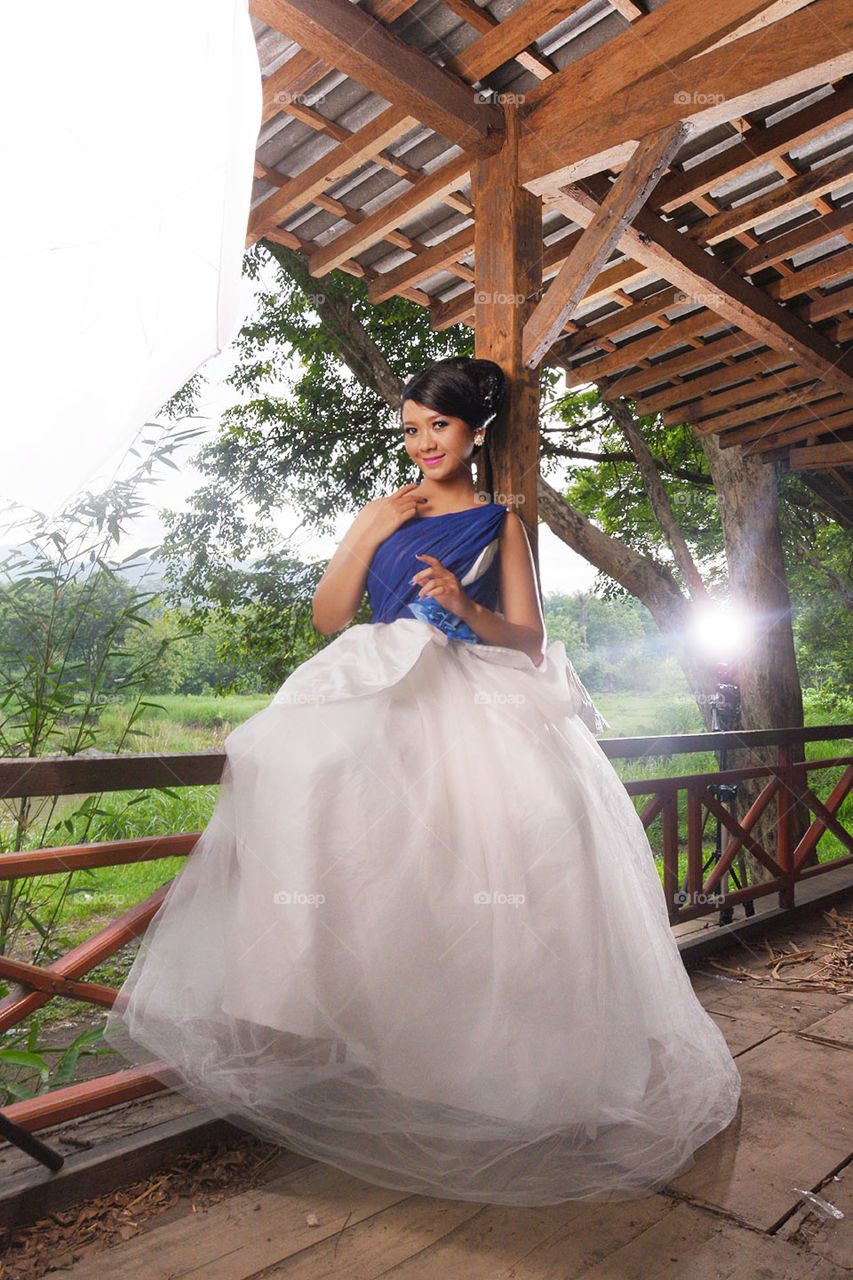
[
  {"x": 701, "y": 276},
  {"x": 564, "y": 142},
  {"x": 371, "y": 54},
  {"x": 603, "y": 233}
]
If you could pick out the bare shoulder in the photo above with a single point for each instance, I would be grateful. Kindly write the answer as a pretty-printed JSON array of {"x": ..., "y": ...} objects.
[{"x": 513, "y": 530}]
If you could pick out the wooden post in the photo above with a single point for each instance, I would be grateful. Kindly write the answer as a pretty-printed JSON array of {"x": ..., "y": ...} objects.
[{"x": 507, "y": 282}]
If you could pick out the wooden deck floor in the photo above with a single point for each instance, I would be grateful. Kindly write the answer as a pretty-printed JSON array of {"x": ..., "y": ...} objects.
[{"x": 737, "y": 1212}]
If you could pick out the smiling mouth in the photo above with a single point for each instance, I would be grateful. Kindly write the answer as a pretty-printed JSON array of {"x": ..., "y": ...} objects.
[{"x": 431, "y": 461}]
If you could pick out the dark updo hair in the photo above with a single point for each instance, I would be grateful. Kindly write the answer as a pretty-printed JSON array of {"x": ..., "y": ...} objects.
[{"x": 472, "y": 390}]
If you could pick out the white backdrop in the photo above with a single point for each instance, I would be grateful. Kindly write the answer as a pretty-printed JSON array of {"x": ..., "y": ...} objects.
[{"x": 127, "y": 140}]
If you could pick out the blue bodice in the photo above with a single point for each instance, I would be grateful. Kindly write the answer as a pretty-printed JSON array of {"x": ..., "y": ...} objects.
[{"x": 465, "y": 542}]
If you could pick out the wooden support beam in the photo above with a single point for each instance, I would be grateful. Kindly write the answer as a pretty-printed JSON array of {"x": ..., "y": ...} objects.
[
  {"x": 839, "y": 454},
  {"x": 793, "y": 425},
  {"x": 755, "y": 147},
  {"x": 347, "y": 37},
  {"x": 711, "y": 282},
  {"x": 769, "y": 252},
  {"x": 362, "y": 145},
  {"x": 813, "y": 275},
  {"x": 687, "y": 330},
  {"x": 484, "y": 21},
  {"x": 503, "y": 40},
  {"x": 772, "y": 407},
  {"x": 508, "y": 275},
  {"x": 564, "y": 139},
  {"x": 801, "y": 189},
  {"x": 708, "y": 353},
  {"x": 423, "y": 193},
  {"x": 628, "y": 193},
  {"x": 751, "y": 392},
  {"x": 728, "y": 375},
  {"x": 434, "y": 258}
]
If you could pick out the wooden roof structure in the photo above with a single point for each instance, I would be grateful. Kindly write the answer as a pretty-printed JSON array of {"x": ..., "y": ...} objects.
[{"x": 654, "y": 195}]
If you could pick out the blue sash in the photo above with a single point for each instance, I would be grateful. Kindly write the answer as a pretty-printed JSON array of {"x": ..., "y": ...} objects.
[{"x": 465, "y": 542}]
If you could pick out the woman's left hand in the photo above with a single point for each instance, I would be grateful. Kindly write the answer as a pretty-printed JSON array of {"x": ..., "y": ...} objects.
[{"x": 441, "y": 585}]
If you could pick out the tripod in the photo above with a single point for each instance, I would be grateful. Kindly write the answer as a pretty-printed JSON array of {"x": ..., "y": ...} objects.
[{"x": 725, "y": 715}]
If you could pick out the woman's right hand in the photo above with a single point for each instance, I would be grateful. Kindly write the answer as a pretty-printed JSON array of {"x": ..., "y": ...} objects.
[{"x": 390, "y": 512}]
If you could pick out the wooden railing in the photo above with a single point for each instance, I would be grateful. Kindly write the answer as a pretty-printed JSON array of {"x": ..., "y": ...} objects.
[{"x": 689, "y": 798}]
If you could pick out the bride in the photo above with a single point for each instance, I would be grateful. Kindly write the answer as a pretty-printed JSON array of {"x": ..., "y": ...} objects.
[{"x": 422, "y": 937}]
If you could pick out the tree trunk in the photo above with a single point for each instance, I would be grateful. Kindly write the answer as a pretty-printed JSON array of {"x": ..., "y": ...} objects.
[
  {"x": 650, "y": 582},
  {"x": 771, "y": 695}
]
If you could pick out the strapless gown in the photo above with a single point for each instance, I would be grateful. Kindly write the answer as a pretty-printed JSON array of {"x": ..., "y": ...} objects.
[{"x": 422, "y": 937}]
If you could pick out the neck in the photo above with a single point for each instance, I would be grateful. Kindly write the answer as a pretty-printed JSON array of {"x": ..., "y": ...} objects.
[{"x": 447, "y": 495}]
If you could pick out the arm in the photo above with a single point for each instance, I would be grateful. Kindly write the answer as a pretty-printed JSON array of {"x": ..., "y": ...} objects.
[
  {"x": 340, "y": 590},
  {"x": 522, "y": 625}
]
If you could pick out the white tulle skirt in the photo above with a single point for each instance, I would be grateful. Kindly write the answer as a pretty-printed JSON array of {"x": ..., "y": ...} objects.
[{"x": 423, "y": 938}]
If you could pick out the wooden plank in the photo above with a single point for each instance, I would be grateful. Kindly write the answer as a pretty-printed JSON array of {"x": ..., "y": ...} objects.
[
  {"x": 80, "y": 775},
  {"x": 799, "y": 190},
  {"x": 444, "y": 254},
  {"x": 812, "y": 276},
  {"x": 724, "y": 377},
  {"x": 484, "y": 21},
  {"x": 684, "y": 264},
  {"x": 830, "y": 305},
  {"x": 346, "y": 36},
  {"x": 754, "y": 390},
  {"x": 707, "y": 354},
  {"x": 422, "y": 194},
  {"x": 755, "y": 147},
  {"x": 608, "y": 282},
  {"x": 360, "y": 146},
  {"x": 506, "y": 38},
  {"x": 811, "y": 426},
  {"x": 778, "y": 9},
  {"x": 590, "y": 252},
  {"x": 771, "y": 407},
  {"x": 769, "y": 252},
  {"x": 116, "y": 1159},
  {"x": 795, "y": 1135},
  {"x": 508, "y": 275},
  {"x": 689, "y": 329},
  {"x": 838, "y": 454},
  {"x": 565, "y": 139}
]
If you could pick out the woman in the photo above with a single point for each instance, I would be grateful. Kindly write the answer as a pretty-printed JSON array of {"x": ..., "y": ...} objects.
[{"x": 423, "y": 938}]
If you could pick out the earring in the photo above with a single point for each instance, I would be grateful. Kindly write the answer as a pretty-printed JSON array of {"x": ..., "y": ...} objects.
[{"x": 479, "y": 437}]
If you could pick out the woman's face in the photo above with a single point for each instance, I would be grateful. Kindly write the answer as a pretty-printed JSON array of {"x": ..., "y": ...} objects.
[{"x": 432, "y": 435}]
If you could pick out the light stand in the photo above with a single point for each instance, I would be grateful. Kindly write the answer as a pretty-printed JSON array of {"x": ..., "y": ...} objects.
[{"x": 725, "y": 716}]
